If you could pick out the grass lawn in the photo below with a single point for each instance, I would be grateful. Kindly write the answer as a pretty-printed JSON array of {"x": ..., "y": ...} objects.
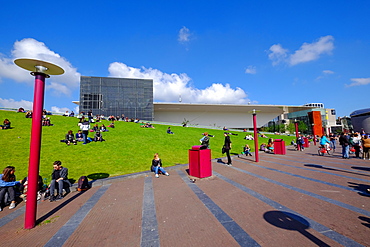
[{"x": 127, "y": 149}]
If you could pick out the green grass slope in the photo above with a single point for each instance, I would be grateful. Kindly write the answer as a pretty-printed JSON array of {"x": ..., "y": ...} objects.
[{"x": 127, "y": 149}]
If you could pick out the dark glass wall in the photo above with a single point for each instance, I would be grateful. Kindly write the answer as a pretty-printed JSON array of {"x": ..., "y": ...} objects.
[{"x": 117, "y": 96}]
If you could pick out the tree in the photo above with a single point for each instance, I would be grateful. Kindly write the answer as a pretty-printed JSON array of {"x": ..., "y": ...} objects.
[{"x": 291, "y": 128}]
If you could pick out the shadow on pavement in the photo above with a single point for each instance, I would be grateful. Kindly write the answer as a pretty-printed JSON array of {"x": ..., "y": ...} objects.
[
  {"x": 291, "y": 222},
  {"x": 59, "y": 207}
]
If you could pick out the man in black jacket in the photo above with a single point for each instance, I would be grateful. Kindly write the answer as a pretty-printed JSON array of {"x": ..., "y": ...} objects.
[
  {"x": 59, "y": 180},
  {"x": 344, "y": 142}
]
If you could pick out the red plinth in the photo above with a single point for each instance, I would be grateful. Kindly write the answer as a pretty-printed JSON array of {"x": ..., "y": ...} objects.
[
  {"x": 306, "y": 142},
  {"x": 279, "y": 146},
  {"x": 200, "y": 165}
]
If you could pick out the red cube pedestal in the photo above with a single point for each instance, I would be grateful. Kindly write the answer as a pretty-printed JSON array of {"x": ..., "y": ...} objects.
[
  {"x": 200, "y": 165},
  {"x": 306, "y": 142},
  {"x": 279, "y": 146}
]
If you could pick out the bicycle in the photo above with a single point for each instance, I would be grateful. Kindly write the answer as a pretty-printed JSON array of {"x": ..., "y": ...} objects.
[{"x": 323, "y": 150}]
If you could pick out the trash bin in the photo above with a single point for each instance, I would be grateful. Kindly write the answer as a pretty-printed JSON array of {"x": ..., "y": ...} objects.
[
  {"x": 279, "y": 146},
  {"x": 306, "y": 142},
  {"x": 200, "y": 162}
]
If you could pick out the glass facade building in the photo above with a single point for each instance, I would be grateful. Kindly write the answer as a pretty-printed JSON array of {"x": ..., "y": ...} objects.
[{"x": 116, "y": 96}]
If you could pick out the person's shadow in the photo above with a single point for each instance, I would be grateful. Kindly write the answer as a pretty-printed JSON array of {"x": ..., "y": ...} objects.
[{"x": 292, "y": 222}]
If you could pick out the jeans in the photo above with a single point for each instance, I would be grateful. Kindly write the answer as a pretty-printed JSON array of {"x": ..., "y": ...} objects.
[
  {"x": 58, "y": 185},
  {"x": 345, "y": 151},
  {"x": 84, "y": 134},
  {"x": 332, "y": 142},
  {"x": 11, "y": 192},
  {"x": 159, "y": 168}
]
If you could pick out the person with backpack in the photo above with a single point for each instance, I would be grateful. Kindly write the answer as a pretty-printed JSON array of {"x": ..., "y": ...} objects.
[
  {"x": 227, "y": 147},
  {"x": 7, "y": 183},
  {"x": 59, "y": 181}
]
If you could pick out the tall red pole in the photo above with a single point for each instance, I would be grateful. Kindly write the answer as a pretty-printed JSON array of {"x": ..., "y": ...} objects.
[
  {"x": 35, "y": 147},
  {"x": 255, "y": 135},
  {"x": 296, "y": 134}
]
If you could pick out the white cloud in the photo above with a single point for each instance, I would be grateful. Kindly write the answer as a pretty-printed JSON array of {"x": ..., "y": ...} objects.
[
  {"x": 327, "y": 72},
  {"x": 56, "y": 109},
  {"x": 11, "y": 103},
  {"x": 168, "y": 87},
  {"x": 251, "y": 70},
  {"x": 359, "y": 82},
  {"x": 184, "y": 35},
  {"x": 278, "y": 54},
  {"x": 324, "y": 74},
  {"x": 306, "y": 53},
  {"x": 31, "y": 48}
]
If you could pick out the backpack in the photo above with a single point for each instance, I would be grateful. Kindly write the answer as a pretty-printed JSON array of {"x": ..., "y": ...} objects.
[{"x": 83, "y": 184}]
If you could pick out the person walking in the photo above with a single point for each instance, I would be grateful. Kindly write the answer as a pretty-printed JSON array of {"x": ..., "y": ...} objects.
[
  {"x": 227, "y": 148},
  {"x": 333, "y": 139},
  {"x": 344, "y": 142},
  {"x": 366, "y": 147},
  {"x": 357, "y": 144}
]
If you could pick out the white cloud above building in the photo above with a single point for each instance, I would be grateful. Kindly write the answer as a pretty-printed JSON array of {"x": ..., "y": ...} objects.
[
  {"x": 306, "y": 53},
  {"x": 169, "y": 87}
]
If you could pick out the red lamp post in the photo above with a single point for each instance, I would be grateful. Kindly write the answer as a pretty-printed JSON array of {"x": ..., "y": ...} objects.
[
  {"x": 40, "y": 70},
  {"x": 296, "y": 133},
  {"x": 255, "y": 135},
  {"x": 313, "y": 133}
]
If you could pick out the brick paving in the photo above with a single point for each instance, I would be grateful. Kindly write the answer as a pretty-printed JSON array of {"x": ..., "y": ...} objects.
[{"x": 297, "y": 199}]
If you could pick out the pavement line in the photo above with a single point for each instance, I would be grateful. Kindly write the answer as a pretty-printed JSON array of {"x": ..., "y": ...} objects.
[
  {"x": 149, "y": 225},
  {"x": 321, "y": 167},
  {"x": 323, "y": 198},
  {"x": 61, "y": 236},
  {"x": 306, "y": 178},
  {"x": 364, "y": 173},
  {"x": 230, "y": 225},
  {"x": 6, "y": 219},
  {"x": 343, "y": 240}
]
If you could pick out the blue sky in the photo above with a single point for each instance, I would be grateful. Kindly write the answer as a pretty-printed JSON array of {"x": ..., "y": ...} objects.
[{"x": 263, "y": 52}]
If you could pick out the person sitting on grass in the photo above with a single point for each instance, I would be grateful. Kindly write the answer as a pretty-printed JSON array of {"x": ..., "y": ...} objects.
[
  {"x": 59, "y": 181},
  {"x": 7, "y": 183},
  {"x": 247, "y": 150},
  {"x": 103, "y": 128},
  {"x": 157, "y": 166},
  {"x": 98, "y": 137},
  {"x": 79, "y": 136},
  {"x": 95, "y": 128},
  {"x": 169, "y": 130},
  {"x": 70, "y": 138},
  {"x": 6, "y": 124}
]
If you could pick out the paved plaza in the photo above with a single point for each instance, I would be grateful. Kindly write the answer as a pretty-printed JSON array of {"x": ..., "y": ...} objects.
[{"x": 297, "y": 199}]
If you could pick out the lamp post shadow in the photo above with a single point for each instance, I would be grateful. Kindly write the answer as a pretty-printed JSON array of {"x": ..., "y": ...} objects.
[{"x": 292, "y": 222}]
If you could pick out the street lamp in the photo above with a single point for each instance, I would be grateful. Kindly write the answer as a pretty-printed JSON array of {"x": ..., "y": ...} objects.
[
  {"x": 40, "y": 70},
  {"x": 254, "y": 112},
  {"x": 296, "y": 133},
  {"x": 313, "y": 133}
]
